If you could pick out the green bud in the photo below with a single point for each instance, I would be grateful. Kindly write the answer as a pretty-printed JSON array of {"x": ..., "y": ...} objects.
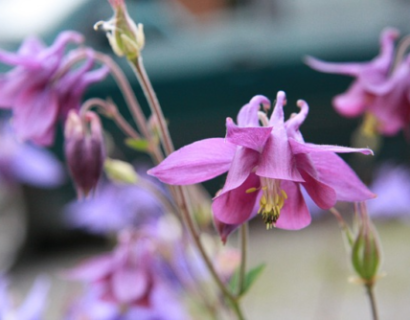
[{"x": 120, "y": 171}]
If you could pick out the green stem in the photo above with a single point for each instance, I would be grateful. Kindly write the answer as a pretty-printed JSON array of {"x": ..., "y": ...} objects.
[
  {"x": 372, "y": 299},
  {"x": 243, "y": 238}
]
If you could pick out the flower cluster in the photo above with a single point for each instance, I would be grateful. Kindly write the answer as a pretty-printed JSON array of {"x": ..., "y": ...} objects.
[
  {"x": 267, "y": 164},
  {"x": 380, "y": 91}
]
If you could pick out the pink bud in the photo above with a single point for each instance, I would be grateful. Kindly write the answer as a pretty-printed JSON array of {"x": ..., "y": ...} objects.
[{"x": 84, "y": 150}]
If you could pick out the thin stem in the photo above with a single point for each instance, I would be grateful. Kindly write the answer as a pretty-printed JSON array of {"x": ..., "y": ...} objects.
[
  {"x": 402, "y": 48},
  {"x": 243, "y": 235},
  {"x": 372, "y": 299},
  {"x": 139, "y": 69},
  {"x": 110, "y": 109},
  {"x": 343, "y": 225}
]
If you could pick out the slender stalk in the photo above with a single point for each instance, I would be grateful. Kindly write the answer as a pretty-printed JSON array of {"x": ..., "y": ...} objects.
[
  {"x": 243, "y": 238},
  {"x": 402, "y": 48},
  {"x": 372, "y": 299},
  {"x": 139, "y": 69},
  {"x": 343, "y": 225}
]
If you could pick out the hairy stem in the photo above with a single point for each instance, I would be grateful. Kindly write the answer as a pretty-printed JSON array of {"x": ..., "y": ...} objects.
[{"x": 372, "y": 299}]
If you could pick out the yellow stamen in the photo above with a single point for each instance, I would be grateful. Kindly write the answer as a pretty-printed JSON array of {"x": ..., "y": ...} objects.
[
  {"x": 369, "y": 125},
  {"x": 251, "y": 190}
]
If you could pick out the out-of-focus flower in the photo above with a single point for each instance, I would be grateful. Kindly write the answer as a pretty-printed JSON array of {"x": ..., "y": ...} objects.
[
  {"x": 392, "y": 186},
  {"x": 84, "y": 149},
  {"x": 267, "y": 164},
  {"x": 32, "y": 307},
  {"x": 124, "y": 36},
  {"x": 25, "y": 163},
  {"x": 115, "y": 207},
  {"x": 127, "y": 285},
  {"x": 378, "y": 92},
  {"x": 41, "y": 88}
]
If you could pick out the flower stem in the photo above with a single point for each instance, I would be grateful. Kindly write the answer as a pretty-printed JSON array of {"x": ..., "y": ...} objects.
[
  {"x": 242, "y": 268},
  {"x": 343, "y": 225},
  {"x": 372, "y": 299},
  {"x": 179, "y": 192}
]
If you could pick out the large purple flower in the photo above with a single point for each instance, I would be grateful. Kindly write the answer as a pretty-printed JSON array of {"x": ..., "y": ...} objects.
[
  {"x": 42, "y": 88},
  {"x": 266, "y": 165},
  {"x": 379, "y": 91}
]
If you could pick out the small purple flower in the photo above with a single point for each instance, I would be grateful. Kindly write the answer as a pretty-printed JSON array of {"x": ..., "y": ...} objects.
[
  {"x": 32, "y": 307},
  {"x": 26, "y": 163},
  {"x": 126, "y": 284},
  {"x": 392, "y": 185},
  {"x": 266, "y": 165},
  {"x": 84, "y": 149},
  {"x": 115, "y": 207},
  {"x": 379, "y": 92},
  {"x": 40, "y": 89}
]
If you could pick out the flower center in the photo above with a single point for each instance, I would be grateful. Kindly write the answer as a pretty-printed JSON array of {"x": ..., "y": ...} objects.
[
  {"x": 272, "y": 201},
  {"x": 369, "y": 125}
]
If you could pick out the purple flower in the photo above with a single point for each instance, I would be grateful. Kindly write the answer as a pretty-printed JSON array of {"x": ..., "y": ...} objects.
[
  {"x": 378, "y": 92},
  {"x": 31, "y": 308},
  {"x": 266, "y": 165},
  {"x": 40, "y": 89},
  {"x": 115, "y": 207},
  {"x": 26, "y": 163},
  {"x": 84, "y": 149},
  {"x": 392, "y": 185},
  {"x": 126, "y": 284}
]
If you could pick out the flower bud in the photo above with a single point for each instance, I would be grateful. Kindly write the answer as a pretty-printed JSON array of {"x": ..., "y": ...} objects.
[
  {"x": 84, "y": 150},
  {"x": 366, "y": 253},
  {"x": 124, "y": 36}
]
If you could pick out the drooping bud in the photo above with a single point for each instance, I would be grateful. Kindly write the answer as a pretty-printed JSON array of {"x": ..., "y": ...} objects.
[
  {"x": 366, "y": 252},
  {"x": 84, "y": 149},
  {"x": 125, "y": 37}
]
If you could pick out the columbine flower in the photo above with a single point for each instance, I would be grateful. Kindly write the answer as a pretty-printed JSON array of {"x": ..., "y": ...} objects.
[
  {"x": 378, "y": 92},
  {"x": 123, "y": 35},
  {"x": 25, "y": 163},
  {"x": 84, "y": 149},
  {"x": 266, "y": 165},
  {"x": 40, "y": 89},
  {"x": 32, "y": 307},
  {"x": 126, "y": 283}
]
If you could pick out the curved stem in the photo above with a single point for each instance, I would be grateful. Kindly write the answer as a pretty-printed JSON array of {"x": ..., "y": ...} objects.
[
  {"x": 372, "y": 299},
  {"x": 242, "y": 268},
  {"x": 343, "y": 225}
]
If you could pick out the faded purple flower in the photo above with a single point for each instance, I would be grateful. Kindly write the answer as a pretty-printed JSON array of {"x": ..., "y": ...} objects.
[
  {"x": 126, "y": 284},
  {"x": 32, "y": 307},
  {"x": 266, "y": 165},
  {"x": 378, "y": 92},
  {"x": 392, "y": 185},
  {"x": 40, "y": 89},
  {"x": 26, "y": 163},
  {"x": 115, "y": 207},
  {"x": 84, "y": 149}
]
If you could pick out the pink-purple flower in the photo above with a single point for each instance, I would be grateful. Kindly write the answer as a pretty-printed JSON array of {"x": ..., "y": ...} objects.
[
  {"x": 380, "y": 91},
  {"x": 42, "y": 87},
  {"x": 267, "y": 164}
]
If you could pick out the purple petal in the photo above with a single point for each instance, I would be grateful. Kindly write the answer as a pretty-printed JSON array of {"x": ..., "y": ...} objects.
[
  {"x": 236, "y": 206},
  {"x": 249, "y": 137},
  {"x": 350, "y": 69},
  {"x": 294, "y": 123},
  {"x": 335, "y": 173},
  {"x": 34, "y": 304},
  {"x": 129, "y": 284},
  {"x": 197, "y": 162},
  {"x": 248, "y": 115},
  {"x": 91, "y": 270},
  {"x": 294, "y": 214},
  {"x": 307, "y": 148},
  {"x": 353, "y": 102}
]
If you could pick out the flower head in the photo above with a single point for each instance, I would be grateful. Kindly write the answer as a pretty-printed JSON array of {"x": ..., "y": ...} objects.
[
  {"x": 84, "y": 149},
  {"x": 41, "y": 88},
  {"x": 380, "y": 90},
  {"x": 266, "y": 167}
]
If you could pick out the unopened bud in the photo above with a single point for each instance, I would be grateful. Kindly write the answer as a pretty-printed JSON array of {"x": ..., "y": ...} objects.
[
  {"x": 84, "y": 150},
  {"x": 125, "y": 37},
  {"x": 120, "y": 171},
  {"x": 366, "y": 253}
]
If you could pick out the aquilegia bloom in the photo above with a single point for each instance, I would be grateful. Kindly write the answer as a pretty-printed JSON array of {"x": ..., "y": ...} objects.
[
  {"x": 379, "y": 92},
  {"x": 42, "y": 88},
  {"x": 266, "y": 165}
]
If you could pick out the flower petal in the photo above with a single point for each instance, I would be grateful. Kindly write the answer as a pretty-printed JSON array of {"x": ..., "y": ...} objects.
[
  {"x": 129, "y": 284},
  {"x": 249, "y": 137},
  {"x": 248, "y": 115},
  {"x": 335, "y": 173},
  {"x": 350, "y": 69},
  {"x": 236, "y": 206},
  {"x": 197, "y": 162},
  {"x": 307, "y": 148},
  {"x": 295, "y": 213},
  {"x": 353, "y": 102}
]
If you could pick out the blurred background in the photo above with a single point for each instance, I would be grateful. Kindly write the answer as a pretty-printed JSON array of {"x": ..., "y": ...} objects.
[{"x": 207, "y": 58}]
